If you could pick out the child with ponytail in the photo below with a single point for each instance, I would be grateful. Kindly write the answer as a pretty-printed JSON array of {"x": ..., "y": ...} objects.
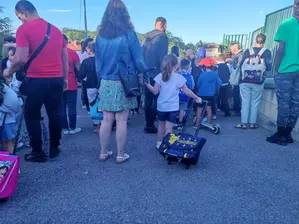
[{"x": 168, "y": 85}]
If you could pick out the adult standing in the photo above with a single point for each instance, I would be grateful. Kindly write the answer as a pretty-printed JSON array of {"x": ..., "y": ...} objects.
[
  {"x": 69, "y": 105},
  {"x": 195, "y": 70},
  {"x": 237, "y": 58},
  {"x": 116, "y": 41},
  {"x": 155, "y": 48},
  {"x": 44, "y": 82},
  {"x": 256, "y": 63},
  {"x": 286, "y": 68}
]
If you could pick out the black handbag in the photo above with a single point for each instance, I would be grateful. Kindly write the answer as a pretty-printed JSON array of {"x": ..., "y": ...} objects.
[
  {"x": 21, "y": 74},
  {"x": 130, "y": 81}
]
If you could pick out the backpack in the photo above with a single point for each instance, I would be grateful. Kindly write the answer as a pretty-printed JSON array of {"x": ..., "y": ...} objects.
[
  {"x": 235, "y": 73},
  {"x": 254, "y": 67},
  {"x": 189, "y": 83}
]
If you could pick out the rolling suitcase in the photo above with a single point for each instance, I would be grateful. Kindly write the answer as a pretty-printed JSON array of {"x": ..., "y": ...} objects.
[
  {"x": 182, "y": 147},
  {"x": 9, "y": 165}
]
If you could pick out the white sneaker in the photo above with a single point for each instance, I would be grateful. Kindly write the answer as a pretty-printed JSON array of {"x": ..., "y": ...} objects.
[
  {"x": 84, "y": 107},
  {"x": 158, "y": 145},
  {"x": 66, "y": 131},
  {"x": 20, "y": 145},
  {"x": 75, "y": 131},
  {"x": 205, "y": 119},
  {"x": 214, "y": 117}
]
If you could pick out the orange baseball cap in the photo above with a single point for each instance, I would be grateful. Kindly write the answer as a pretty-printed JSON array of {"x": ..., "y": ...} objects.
[{"x": 208, "y": 62}]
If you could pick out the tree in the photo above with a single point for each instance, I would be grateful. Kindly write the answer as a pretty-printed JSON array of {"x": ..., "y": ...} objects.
[
  {"x": 78, "y": 35},
  {"x": 5, "y": 28},
  {"x": 190, "y": 46}
]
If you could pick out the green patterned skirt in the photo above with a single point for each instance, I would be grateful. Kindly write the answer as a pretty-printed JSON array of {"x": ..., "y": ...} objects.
[{"x": 113, "y": 98}]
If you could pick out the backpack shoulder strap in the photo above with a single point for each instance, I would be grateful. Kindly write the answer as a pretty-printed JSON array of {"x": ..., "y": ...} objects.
[{"x": 262, "y": 51}]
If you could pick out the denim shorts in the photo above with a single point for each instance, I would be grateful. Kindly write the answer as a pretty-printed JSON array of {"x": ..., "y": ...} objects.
[
  {"x": 9, "y": 132},
  {"x": 168, "y": 116},
  {"x": 184, "y": 105}
]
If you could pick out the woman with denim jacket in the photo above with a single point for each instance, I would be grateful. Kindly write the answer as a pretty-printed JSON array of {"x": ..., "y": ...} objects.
[{"x": 116, "y": 41}]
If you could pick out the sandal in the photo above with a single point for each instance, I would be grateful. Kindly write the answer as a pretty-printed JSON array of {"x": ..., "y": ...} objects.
[
  {"x": 241, "y": 126},
  {"x": 253, "y": 126},
  {"x": 105, "y": 156},
  {"x": 121, "y": 159}
]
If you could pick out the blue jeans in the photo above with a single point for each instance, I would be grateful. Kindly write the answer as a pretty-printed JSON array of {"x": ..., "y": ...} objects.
[
  {"x": 287, "y": 92},
  {"x": 251, "y": 95},
  {"x": 69, "y": 109}
]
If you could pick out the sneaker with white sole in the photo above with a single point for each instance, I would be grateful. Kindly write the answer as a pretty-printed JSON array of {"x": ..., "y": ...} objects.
[
  {"x": 75, "y": 131},
  {"x": 66, "y": 131},
  {"x": 158, "y": 145},
  {"x": 214, "y": 117}
]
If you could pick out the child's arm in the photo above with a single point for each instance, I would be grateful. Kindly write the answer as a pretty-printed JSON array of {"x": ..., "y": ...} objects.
[
  {"x": 189, "y": 93},
  {"x": 154, "y": 89}
]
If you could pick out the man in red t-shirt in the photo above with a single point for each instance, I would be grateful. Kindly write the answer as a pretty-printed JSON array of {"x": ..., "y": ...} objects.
[
  {"x": 45, "y": 77},
  {"x": 69, "y": 108}
]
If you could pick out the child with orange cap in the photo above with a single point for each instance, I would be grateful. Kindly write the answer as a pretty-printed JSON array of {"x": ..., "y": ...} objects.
[{"x": 207, "y": 83}]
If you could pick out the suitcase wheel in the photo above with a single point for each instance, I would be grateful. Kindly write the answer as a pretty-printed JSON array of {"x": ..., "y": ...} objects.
[{"x": 3, "y": 200}]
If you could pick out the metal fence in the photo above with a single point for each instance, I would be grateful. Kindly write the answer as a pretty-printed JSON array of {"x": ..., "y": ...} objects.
[
  {"x": 272, "y": 22},
  {"x": 242, "y": 39}
]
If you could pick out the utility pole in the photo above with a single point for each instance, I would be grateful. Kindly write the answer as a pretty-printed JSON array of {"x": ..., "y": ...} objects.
[{"x": 85, "y": 19}]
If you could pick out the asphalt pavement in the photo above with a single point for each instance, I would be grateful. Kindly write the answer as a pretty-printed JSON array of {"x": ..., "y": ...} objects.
[{"x": 240, "y": 179}]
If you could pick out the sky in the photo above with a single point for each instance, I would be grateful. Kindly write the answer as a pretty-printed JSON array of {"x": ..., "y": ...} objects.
[{"x": 192, "y": 20}]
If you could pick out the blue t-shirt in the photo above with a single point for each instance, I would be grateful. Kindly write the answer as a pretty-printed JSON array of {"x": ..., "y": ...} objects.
[{"x": 207, "y": 83}]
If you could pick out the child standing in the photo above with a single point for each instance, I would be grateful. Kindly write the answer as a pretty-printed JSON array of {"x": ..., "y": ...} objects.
[
  {"x": 207, "y": 84},
  {"x": 168, "y": 84},
  {"x": 184, "y": 99}
]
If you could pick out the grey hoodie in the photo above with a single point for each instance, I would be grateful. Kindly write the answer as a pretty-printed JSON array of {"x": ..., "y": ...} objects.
[{"x": 155, "y": 48}]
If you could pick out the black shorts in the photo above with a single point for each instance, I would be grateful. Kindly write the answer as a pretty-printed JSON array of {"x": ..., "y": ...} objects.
[
  {"x": 168, "y": 116},
  {"x": 209, "y": 99}
]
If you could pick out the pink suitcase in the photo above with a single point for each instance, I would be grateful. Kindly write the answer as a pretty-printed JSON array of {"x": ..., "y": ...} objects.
[{"x": 9, "y": 173}]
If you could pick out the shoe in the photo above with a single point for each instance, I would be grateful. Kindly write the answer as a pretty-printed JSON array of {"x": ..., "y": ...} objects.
[
  {"x": 214, "y": 117},
  {"x": 20, "y": 145},
  {"x": 227, "y": 115},
  {"x": 151, "y": 130},
  {"x": 279, "y": 137},
  {"x": 83, "y": 106},
  {"x": 54, "y": 152},
  {"x": 289, "y": 138},
  {"x": 158, "y": 145},
  {"x": 180, "y": 126},
  {"x": 121, "y": 159},
  {"x": 65, "y": 131},
  {"x": 75, "y": 131},
  {"x": 36, "y": 157},
  {"x": 205, "y": 119}
]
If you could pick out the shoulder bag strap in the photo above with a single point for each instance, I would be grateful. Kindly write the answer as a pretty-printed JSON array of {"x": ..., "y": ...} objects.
[{"x": 40, "y": 48}]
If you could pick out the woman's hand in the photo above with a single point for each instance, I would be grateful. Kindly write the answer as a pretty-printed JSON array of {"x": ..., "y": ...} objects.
[{"x": 198, "y": 100}]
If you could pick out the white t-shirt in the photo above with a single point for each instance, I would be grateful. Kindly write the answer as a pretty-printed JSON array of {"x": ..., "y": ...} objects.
[
  {"x": 168, "y": 100},
  {"x": 8, "y": 64}
]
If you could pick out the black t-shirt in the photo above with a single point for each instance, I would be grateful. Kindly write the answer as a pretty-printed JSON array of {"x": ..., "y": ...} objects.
[{"x": 88, "y": 69}]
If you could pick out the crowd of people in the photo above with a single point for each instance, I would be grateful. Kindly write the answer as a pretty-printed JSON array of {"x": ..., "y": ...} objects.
[{"x": 39, "y": 65}]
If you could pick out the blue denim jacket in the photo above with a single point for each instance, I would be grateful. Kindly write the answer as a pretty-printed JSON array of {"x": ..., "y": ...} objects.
[{"x": 110, "y": 52}]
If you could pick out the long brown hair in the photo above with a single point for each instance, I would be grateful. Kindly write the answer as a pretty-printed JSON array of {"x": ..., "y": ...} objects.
[
  {"x": 116, "y": 20},
  {"x": 168, "y": 64}
]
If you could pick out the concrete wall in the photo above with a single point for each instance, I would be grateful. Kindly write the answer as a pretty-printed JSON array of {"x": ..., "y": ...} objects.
[{"x": 268, "y": 112}]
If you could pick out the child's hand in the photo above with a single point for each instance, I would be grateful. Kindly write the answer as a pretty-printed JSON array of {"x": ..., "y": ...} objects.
[
  {"x": 198, "y": 100},
  {"x": 6, "y": 73}
]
